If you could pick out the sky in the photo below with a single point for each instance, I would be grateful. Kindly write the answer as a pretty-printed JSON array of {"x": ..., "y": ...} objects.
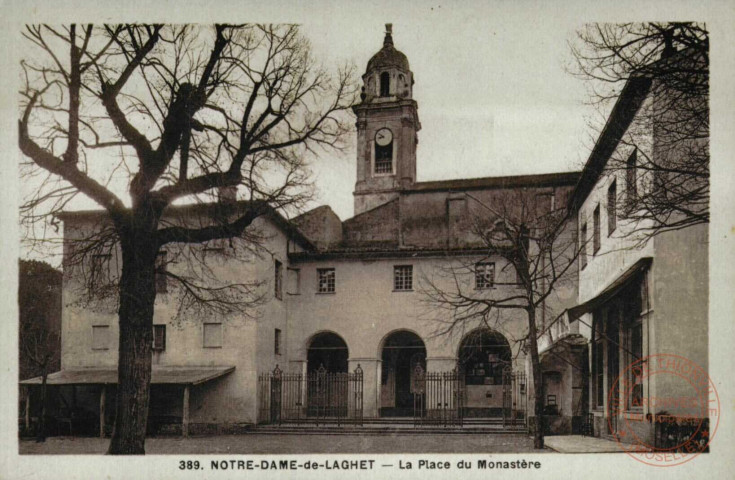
[
  {"x": 492, "y": 84},
  {"x": 493, "y": 93}
]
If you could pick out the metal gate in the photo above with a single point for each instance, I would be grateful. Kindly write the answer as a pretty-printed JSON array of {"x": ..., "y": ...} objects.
[
  {"x": 317, "y": 397},
  {"x": 438, "y": 397},
  {"x": 515, "y": 398}
]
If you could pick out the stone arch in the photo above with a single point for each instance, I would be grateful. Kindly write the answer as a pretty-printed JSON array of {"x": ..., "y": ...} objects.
[
  {"x": 328, "y": 349},
  {"x": 385, "y": 337},
  {"x": 401, "y": 351},
  {"x": 483, "y": 355}
]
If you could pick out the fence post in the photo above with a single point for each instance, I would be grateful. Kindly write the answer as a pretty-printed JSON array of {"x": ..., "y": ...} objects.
[{"x": 276, "y": 407}]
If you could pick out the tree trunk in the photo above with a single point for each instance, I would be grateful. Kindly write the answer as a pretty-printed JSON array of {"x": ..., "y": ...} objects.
[
  {"x": 538, "y": 386},
  {"x": 137, "y": 297},
  {"x": 41, "y": 433}
]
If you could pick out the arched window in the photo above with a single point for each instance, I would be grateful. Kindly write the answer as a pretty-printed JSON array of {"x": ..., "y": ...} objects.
[
  {"x": 484, "y": 356},
  {"x": 327, "y": 350},
  {"x": 384, "y": 84},
  {"x": 384, "y": 158}
]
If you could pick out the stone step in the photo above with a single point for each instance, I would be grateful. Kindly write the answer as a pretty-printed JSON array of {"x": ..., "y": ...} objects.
[
  {"x": 377, "y": 429},
  {"x": 466, "y": 421},
  {"x": 411, "y": 431}
]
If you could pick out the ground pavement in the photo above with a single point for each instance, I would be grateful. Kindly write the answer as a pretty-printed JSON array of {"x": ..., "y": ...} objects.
[
  {"x": 255, "y": 443},
  {"x": 579, "y": 444}
]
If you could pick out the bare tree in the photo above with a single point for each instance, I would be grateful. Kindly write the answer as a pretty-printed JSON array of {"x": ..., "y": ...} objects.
[
  {"x": 170, "y": 114},
  {"x": 665, "y": 159},
  {"x": 537, "y": 240},
  {"x": 39, "y": 301}
]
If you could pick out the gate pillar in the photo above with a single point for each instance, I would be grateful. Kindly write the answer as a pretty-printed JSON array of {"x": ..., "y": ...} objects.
[
  {"x": 299, "y": 367},
  {"x": 371, "y": 383}
]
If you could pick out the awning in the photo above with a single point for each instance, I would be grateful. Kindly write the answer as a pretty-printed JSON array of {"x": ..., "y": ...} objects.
[
  {"x": 107, "y": 376},
  {"x": 562, "y": 343},
  {"x": 613, "y": 289}
]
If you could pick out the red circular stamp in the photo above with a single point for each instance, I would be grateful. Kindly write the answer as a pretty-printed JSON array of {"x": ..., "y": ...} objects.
[{"x": 677, "y": 418}]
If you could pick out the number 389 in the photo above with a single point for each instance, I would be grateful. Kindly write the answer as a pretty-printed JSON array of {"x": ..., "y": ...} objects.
[{"x": 189, "y": 465}]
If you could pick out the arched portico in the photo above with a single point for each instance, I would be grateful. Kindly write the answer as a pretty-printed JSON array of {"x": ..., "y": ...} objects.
[
  {"x": 329, "y": 350},
  {"x": 484, "y": 359},
  {"x": 400, "y": 352}
]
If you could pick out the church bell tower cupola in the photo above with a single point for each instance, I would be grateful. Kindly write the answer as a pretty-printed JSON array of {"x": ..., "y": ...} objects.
[{"x": 387, "y": 126}]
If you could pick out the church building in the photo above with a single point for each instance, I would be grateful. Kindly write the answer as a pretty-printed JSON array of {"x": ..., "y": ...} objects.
[{"x": 347, "y": 332}]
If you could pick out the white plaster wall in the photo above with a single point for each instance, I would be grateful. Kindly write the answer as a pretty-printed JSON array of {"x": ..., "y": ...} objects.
[
  {"x": 248, "y": 338},
  {"x": 678, "y": 281},
  {"x": 364, "y": 310},
  {"x": 620, "y": 249}
]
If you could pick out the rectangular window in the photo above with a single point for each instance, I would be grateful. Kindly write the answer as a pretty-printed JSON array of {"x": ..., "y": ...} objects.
[
  {"x": 278, "y": 281},
  {"x": 100, "y": 337},
  {"x": 212, "y": 335},
  {"x": 545, "y": 201},
  {"x": 100, "y": 269},
  {"x": 631, "y": 177},
  {"x": 294, "y": 281},
  {"x": 583, "y": 245},
  {"x": 635, "y": 339},
  {"x": 161, "y": 277},
  {"x": 403, "y": 277},
  {"x": 596, "y": 230},
  {"x": 277, "y": 342},
  {"x": 159, "y": 337},
  {"x": 612, "y": 210},
  {"x": 599, "y": 373},
  {"x": 484, "y": 275},
  {"x": 644, "y": 294},
  {"x": 325, "y": 279},
  {"x": 598, "y": 360}
]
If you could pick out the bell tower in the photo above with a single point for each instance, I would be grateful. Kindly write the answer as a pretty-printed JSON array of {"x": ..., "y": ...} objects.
[{"x": 387, "y": 126}]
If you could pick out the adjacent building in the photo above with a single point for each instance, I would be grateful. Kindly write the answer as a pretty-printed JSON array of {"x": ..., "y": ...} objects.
[{"x": 643, "y": 290}]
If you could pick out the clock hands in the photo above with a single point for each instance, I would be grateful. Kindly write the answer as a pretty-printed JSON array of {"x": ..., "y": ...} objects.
[{"x": 383, "y": 136}]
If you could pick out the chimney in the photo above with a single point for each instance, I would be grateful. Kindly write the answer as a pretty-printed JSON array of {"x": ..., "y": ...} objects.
[{"x": 669, "y": 48}]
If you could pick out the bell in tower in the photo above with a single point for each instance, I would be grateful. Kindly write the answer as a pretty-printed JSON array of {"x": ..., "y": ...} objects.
[{"x": 387, "y": 126}]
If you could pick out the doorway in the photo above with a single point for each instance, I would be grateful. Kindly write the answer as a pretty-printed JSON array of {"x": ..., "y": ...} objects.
[{"x": 402, "y": 353}]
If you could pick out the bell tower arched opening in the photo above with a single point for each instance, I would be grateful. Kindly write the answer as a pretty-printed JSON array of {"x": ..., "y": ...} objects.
[{"x": 385, "y": 84}]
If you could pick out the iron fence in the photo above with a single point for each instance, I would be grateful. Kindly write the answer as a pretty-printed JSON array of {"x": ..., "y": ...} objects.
[
  {"x": 317, "y": 397},
  {"x": 515, "y": 398},
  {"x": 438, "y": 397}
]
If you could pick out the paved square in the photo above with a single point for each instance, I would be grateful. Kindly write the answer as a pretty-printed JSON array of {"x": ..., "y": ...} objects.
[{"x": 295, "y": 444}]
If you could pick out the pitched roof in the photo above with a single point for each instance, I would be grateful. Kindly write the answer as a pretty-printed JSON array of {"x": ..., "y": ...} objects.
[
  {"x": 199, "y": 208},
  {"x": 384, "y": 251},
  {"x": 159, "y": 375},
  {"x": 513, "y": 181},
  {"x": 627, "y": 105}
]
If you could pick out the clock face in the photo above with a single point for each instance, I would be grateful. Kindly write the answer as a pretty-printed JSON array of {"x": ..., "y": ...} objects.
[{"x": 383, "y": 137}]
